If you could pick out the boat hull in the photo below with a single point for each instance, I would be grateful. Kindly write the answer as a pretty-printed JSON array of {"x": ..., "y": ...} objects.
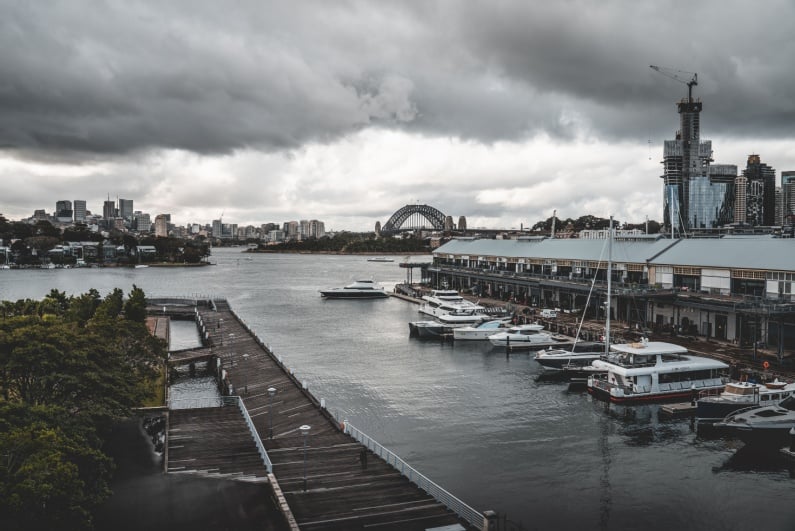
[
  {"x": 774, "y": 437},
  {"x": 340, "y": 294},
  {"x": 715, "y": 411},
  {"x": 428, "y": 330},
  {"x": 559, "y": 363},
  {"x": 639, "y": 398}
]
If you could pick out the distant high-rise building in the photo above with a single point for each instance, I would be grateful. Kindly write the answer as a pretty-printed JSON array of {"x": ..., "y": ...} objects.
[
  {"x": 761, "y": 205},
  {"x": 126, "y": 209},
  {"x": 685, "y": 159},
  {"x": 740, "y": 199},
  {"x": 63, "y": 211},
  {"x": 788, "y": 197},
  {"x": 779, "y": 207},
  {"x": 79, "y": 210},
  {"x": 109, "y": 210},
  {"x": 696, "y": 193},
  {"x": 290, "y": 229},
  {"x": 161, "y": 226},
  {"x": 317, "y": 229},
  {"x": 142, "y": 222}
]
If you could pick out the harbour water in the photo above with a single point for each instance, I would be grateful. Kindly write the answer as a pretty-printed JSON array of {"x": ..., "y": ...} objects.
[{"x": 483, "y": 425}]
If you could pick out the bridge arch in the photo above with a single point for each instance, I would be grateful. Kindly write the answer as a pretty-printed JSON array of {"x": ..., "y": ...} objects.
[{"x": 414, "y": 217}]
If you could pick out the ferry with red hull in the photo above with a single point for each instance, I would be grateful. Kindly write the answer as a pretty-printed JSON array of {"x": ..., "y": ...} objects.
[{"x": 654, "y": 371}]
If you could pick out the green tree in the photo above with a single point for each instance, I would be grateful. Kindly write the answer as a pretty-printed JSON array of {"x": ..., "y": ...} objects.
[
  {"x": 135, "y": 306},
  {"x": 67, "y": 370},
  {"x": 52, "y": 473},
  {"x": 45, "y": 228},
  {"x": 112, "y": 305}
]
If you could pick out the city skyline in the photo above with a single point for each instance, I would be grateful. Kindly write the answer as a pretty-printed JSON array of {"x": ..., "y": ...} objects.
[{"x": 271, "y": 111}]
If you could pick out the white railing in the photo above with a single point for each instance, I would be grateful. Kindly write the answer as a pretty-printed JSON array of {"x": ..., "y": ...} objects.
[
  {"x": 236, "y": 400},
  {"x": 451, "y": 502},
  {"x": 218, "y": 401}
]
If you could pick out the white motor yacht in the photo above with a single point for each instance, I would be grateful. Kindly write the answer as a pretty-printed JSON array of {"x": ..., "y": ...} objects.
[
  {"x": 653, "y": 371},
  {"x": 713, "y": 407},
  {"x": 361, "y": 289},
  {"x": 522, "y": 336},
  {"x": 768, "y": 425},
  {"x": 480, "y": 331},
  {"x": 444, "y": 301}
]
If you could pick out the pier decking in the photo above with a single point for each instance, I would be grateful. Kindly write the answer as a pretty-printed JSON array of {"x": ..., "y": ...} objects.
[{"x": 328, "y": 479}]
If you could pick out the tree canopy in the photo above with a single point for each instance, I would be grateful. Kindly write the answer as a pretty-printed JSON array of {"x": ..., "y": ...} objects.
[{"x": 69, "y": 366}]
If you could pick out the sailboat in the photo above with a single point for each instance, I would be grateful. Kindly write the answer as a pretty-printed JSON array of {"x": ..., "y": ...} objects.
[
  {"x": 578, "y": 362},
  {"x": 650, "y": 371}
]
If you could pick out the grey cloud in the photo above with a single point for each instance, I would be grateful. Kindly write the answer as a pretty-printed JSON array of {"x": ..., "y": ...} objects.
[{"x": 208, "y": 77}]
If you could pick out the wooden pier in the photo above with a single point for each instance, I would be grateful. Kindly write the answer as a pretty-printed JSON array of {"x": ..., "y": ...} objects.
[{"x": 326, "y": 478}]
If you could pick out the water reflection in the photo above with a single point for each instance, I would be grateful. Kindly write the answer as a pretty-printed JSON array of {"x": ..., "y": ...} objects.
[{"x": 758, "y": 459}]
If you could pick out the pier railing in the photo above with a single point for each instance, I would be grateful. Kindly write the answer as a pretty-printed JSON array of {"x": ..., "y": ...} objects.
[
  {"x": 451, "y": 502},
  {"x": 236, "y": 400},
  {"x": 217, "y": 401}
]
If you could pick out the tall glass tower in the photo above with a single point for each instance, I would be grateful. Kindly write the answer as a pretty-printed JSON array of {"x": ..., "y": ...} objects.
[{"x": 696, "y": 195}]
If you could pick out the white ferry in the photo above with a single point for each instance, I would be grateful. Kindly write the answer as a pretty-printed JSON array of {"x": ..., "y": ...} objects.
[{"x": 654, "y": 371}]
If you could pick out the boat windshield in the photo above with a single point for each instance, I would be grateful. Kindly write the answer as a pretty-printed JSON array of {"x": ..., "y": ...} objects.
[{"x": 788, "y": 403}]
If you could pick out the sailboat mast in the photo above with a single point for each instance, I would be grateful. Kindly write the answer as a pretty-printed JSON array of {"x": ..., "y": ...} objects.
[{"x": 609, "y": 278}]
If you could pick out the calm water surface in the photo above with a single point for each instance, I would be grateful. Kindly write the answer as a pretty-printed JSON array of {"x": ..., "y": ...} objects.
[{"x": 481, "y": 424}]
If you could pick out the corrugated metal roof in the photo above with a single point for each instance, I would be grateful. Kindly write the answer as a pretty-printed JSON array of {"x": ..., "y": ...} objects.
[
  {"x": 631, "y": 251},
  {"x": 735, "y": 253},
  {"x": 776, "y": 254}
]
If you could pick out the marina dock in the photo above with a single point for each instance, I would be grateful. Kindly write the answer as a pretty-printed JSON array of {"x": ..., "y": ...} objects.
[{"x": 269, "y": 428}]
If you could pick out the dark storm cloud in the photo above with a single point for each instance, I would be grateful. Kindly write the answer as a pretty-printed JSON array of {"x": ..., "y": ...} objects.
[{"x": 212, "y": 77}]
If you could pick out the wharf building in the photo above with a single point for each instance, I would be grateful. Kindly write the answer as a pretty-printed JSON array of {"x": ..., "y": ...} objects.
[{"x": 734, "y": 288}]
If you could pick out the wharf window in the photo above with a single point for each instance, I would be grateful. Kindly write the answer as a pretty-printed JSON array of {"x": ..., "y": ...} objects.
[{"x": 748, "y": 273}]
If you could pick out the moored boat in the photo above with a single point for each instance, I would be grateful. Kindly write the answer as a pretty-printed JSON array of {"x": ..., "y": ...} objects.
[
  {"x": 769, "y": 425},
  {"x": 444, "y": 301},
  {"x": 578, "y": 355},
  {"x": 380, "y": 259},
  {"x": 360, "y": 289},
  {"x": 428, "y": 329},
  {"x": 480, "y": 331},
  {"x": 522, "y": 336},
  {"x": 650, "y": 371},
  {"x": 714, "y": 407}
]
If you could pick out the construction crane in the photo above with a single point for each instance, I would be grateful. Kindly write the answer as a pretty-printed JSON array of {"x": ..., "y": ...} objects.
[{"x": 675, "y": 74}]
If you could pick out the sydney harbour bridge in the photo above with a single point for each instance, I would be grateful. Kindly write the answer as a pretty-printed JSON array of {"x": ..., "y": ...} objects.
[{"x": 412, "y": 218}]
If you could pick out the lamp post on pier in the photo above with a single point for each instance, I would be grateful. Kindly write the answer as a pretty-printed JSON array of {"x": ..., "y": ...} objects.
[
  {"x": 245, "y": 373},
  {"x": 305, "y": 431},
  {"x": 271, "y": 394}
]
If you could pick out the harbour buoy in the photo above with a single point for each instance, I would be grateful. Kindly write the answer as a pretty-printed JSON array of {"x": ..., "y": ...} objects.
[{"x": 766, "y": 365}]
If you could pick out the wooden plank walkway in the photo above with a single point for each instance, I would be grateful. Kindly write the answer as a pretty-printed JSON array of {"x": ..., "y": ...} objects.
[{"x": 340, "y": 492}]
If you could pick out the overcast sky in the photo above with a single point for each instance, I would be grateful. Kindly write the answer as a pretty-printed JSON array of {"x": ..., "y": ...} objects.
[{"x": 264, "y": 111}]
